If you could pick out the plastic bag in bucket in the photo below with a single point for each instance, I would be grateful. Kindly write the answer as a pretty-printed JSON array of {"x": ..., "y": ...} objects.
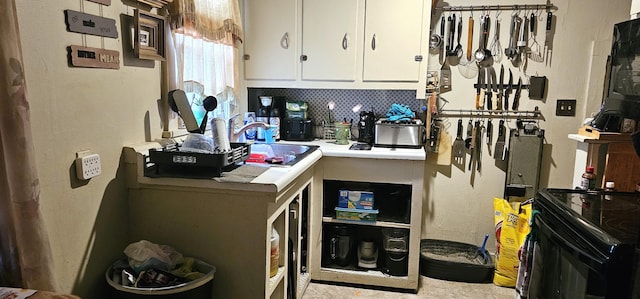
[{"x": 512, "y": 228}]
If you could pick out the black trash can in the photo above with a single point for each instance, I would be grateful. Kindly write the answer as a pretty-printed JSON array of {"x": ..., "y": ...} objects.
[{"x": 201, "y": 288}]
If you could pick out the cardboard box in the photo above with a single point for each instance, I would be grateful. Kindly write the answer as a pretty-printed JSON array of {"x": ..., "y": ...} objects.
[
  {"x": 356, "y": 214},
  {"x": 355, "y": 199}
]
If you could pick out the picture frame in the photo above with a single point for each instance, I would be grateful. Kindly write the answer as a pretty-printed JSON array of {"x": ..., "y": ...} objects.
[{"x": 149, "y": 35}]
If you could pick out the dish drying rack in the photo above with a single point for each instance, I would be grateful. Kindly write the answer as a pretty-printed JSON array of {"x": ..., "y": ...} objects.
[{"x": 170, "y": 161}]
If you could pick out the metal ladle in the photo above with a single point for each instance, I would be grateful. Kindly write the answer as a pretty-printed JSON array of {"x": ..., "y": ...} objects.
[{"x": 482, "y": 55}]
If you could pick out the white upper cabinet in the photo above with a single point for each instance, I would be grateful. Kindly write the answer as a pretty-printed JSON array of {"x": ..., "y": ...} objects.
[
  {"x": 270, "y": 45},
  {"x": 393, "y": 38},
  {"x": 350, "y": 44},
  {"x": 330, "y": 39}
]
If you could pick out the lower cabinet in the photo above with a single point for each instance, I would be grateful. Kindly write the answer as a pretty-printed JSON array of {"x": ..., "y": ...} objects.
[
  {"x": 384, "y": 252},
  {"x": 232, "y": 230}
]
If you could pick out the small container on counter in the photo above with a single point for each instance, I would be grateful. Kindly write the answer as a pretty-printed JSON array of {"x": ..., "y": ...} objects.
[{"x": 588, "y": 181}]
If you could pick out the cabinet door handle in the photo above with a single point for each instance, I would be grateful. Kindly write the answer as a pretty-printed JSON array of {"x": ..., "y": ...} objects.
[
  {"x": 373, "y": 42},
  {"x": 284, "y": 41},
  {"x": 345, "y": 42}
]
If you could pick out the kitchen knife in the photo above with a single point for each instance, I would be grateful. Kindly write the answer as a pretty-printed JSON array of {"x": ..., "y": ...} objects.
[
  {"x": 478, "y": 87},
  {"x": 489, "y": 93},
  {"x": 489, "y": 132},
  {"x": 493, "y": 102},
  {"x": 501, "y": 88},
  {"x": 516, "y": 97},
  {"x": 508, "y": 92}
]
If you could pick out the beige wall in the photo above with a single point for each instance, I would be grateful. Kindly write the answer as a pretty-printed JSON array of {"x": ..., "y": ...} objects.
[
  {"x": 460, "y": 207},
  {"x": 101, "y": 110},
  {"x": 74, "y": 109}
]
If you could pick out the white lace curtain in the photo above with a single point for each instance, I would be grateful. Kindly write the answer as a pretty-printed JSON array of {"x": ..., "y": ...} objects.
[{"x": 202, "y": 48}]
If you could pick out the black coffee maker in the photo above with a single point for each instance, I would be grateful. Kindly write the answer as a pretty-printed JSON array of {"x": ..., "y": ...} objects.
[{"x": 366, "y": 127}]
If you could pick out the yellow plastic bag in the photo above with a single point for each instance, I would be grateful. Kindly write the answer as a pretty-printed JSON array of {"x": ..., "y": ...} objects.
[{"x": 512, "y": 228}]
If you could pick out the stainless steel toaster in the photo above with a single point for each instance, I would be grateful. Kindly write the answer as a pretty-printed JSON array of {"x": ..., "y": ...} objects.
[{"x": 401, "y": 134}]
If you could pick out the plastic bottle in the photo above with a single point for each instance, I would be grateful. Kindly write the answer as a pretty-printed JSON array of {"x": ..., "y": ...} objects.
[
  {"x": 261, "y": 116},
  {"x": 588, "y": 181},
  {"x": 274, "y": 121},
  {"x": 275, "y": 252},
  {"x": 250, "y": 134}
]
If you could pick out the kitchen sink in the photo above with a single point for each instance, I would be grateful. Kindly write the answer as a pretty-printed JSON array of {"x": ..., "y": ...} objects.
[{"x": 279, "y": 154}]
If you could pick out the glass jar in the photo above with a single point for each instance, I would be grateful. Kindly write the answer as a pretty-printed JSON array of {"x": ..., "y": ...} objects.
[{"x": 343, "y": 131}]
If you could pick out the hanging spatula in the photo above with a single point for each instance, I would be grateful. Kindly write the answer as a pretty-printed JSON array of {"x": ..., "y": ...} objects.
[{"x": 458, "y": 145}]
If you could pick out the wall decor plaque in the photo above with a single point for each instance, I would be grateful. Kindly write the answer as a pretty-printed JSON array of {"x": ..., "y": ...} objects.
[
  {"x": 94, "y": 57},
  {"x": 103, "y": 2},
  {"x": 148, "y": 35},
  {"x": 90, "y": 24}
]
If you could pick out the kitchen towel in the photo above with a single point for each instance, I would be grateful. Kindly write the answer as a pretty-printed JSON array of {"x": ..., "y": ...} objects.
[
  {"x": 400, "y": 112},
  {"x": 243, "y": 174}
]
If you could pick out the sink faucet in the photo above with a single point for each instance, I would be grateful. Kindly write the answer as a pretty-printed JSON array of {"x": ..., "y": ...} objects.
[{"x": 233, "y": 135}]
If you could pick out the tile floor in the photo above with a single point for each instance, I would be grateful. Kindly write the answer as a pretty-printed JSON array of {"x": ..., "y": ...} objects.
[{"x": 429, "y": 288}]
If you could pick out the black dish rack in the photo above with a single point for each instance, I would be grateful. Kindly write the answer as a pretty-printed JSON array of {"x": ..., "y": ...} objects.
[{"x": 169, "y": 161}]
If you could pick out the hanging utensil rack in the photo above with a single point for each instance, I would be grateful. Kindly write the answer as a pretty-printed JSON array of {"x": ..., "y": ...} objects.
[
  {"x": 547, "y": 6},
  {"x": 504, "y": 114}
]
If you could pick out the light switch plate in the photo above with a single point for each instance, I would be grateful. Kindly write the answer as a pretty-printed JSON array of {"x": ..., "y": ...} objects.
[{"x": 566, "y": 108}]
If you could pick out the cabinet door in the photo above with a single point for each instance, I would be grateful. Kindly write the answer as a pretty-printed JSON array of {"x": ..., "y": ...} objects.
[
  {"x": 270, "y": 39},
  {"x": 393, "y": 37},
  {"x": 329, "y": 39}
]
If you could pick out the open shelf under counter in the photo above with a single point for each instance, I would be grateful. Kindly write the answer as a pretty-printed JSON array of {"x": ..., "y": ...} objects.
[
  {"x": 303, "y": 281},
  {"x": 367, "y": 277},
  {"x": 369, "y": 223},
  {"x": 276, "y": 279}
]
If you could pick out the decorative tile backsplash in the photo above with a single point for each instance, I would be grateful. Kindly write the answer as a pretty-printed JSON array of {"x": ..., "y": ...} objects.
[{"x": 345, "y": 100}]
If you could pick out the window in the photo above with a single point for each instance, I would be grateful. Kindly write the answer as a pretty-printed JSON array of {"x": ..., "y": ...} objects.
[{"x": 203, "y": 54}]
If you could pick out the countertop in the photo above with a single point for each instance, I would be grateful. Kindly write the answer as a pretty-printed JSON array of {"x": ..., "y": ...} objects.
[{"x": 273, "y": 179}]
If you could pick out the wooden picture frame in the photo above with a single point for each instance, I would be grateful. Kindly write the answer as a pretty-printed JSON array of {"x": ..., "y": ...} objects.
[{"x": 149, "y": 35}]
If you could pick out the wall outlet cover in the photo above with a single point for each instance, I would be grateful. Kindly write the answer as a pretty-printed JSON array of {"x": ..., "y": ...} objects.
[
  {"x": 88, "y": 166},
  {"x": 566, "y": 108}
]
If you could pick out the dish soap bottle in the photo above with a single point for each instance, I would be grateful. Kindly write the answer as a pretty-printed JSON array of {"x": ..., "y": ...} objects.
[
  {"x": 588, "y": 181},
  {"x": 275, "y": 253}
]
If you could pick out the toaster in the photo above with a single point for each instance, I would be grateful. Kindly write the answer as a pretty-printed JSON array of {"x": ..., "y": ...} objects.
[{"x": 400, "y": 134}]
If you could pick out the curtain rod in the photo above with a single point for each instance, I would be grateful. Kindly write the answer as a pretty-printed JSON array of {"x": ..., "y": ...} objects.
[{"x": 547, "y": 6}]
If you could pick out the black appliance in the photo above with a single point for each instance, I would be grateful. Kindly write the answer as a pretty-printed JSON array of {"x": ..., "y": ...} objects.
[
  {"x": 339, "y": 244},
  {"x": 585, "y": 244},
  {"x": 366, "y": 127},
  {"x": 297, "y": 129},
  {"x": 276, "y": 109},
  {"x": 622, "y": 89}
]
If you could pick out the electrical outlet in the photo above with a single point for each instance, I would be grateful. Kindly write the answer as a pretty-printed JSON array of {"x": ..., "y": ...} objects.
[
  {"x": 87, "y": 165},
  {"x": 566, "y": 108}
]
